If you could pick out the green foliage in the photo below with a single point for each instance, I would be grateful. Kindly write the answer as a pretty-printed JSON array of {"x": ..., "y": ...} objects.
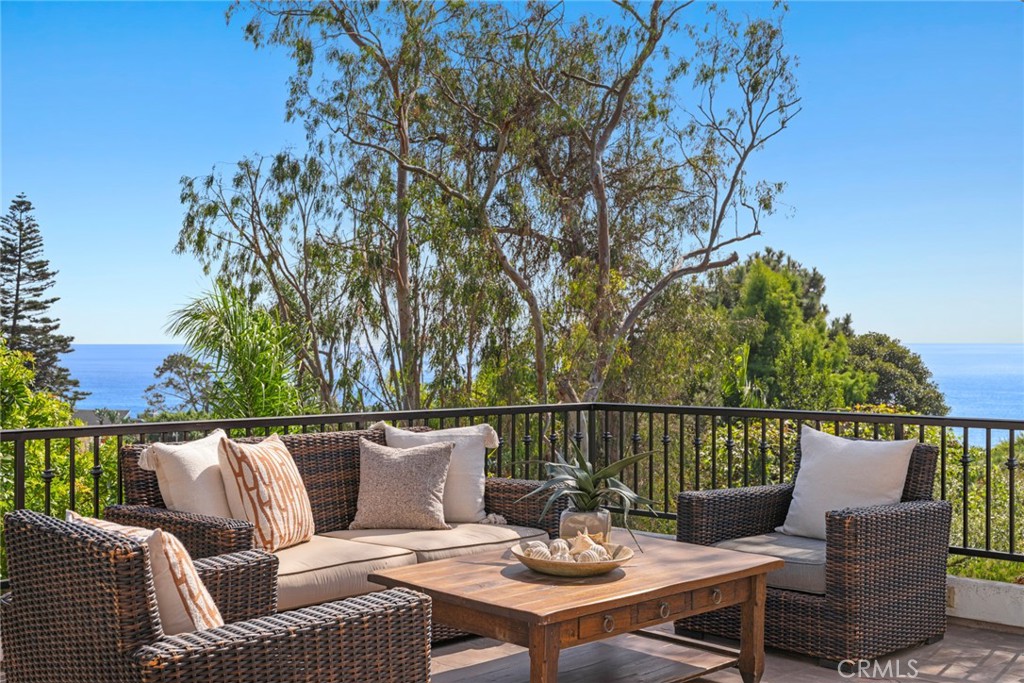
[
  {"x": 792, "y": 359},
  {"x": 901, "y": 377},
  {"x": 24, "y": 407},
  {"x": 252, "y": 352},
  {"x": 588, "y": 489},
  {"x": 986, "y": 569},
  {"x": 185, "y": 387},
  {"x": 25, "y": 323}
]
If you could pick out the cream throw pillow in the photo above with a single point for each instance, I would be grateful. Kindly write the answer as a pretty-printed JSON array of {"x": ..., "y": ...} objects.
[
  {"x": 837, "y": 473},
  {"x": 182, "y": 600},
  {"x": 189, "y": 475},
  {"x": 464, "y": 490},
  {"x": 264, "y": 486},
  {"x": 401, "y": 488}
]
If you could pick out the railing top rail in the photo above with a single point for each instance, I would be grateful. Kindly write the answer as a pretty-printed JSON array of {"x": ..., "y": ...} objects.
[
  {"x": 432, "y": 413},
  {"x": 822, "y": 415},
  {"x": 289, "y": 421}
]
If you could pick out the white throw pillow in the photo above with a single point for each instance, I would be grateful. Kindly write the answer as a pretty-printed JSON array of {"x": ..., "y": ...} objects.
[
  {"x": 189, "y": 475},
  {"x": 837, "y": 473},
  {"x": 464, "y": 488},
  {"x": 182, "y": 601}
]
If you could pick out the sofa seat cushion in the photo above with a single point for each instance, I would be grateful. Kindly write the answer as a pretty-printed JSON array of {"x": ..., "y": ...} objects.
[
  {"x": 325, "y": 569},
  {"x": 804, "y": 557},
  {"x": 439, "y": 544}
]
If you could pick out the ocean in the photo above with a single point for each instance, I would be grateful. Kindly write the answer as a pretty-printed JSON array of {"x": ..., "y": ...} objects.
[
  {"x": 116, "y": 375},
  {"x": 979, "y": 380}
]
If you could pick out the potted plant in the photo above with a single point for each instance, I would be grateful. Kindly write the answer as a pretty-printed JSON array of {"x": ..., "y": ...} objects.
[{"x": 589, "y": 494}]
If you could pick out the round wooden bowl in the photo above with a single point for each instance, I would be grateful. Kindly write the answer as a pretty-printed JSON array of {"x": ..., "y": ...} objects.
[{"x": 620, "y": 556}]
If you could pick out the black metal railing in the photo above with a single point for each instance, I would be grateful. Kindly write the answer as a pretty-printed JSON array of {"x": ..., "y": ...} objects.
[{"x": 689, "y": 448}]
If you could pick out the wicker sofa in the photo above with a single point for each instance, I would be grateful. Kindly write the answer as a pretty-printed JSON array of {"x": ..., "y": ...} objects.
[
  {"x": 881, "y": 570},
  {"x": 336, "y": 562},
  {"x": 83, "y": 608}
]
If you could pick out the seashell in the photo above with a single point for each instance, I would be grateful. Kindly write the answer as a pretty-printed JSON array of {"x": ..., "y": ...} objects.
[
  {"x": 541, "y": 553},
  {"x": 582, "y": 543},
  {"x": 562, "y": 557},
  {"x": 533, "y": 544},
  {"x": 602, "y": 552},
  {"x": 591, "y": 555},
  {"x": 559, "y": 545}
]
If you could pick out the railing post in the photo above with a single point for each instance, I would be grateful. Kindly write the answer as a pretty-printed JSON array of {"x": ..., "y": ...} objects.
[
  {"x": 19, "y": 474},
  {"x": 591, "y": 432}
]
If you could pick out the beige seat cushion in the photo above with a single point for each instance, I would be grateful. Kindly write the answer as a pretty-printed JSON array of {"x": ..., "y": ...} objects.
[
  {"x": 804, "y": 558},
  {"x": 439, "y": 544},
  {"x": 325, "y": 569}
]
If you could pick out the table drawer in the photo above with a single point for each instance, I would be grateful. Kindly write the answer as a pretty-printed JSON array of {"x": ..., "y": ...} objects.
[
  {"x": 720, "y": 595},
  {"x": 611, "y": 621},
  {"x": 662, "y": 608}
]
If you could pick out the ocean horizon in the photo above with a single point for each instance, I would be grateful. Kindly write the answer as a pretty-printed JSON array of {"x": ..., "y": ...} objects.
[{"x": 978, "y": 380}]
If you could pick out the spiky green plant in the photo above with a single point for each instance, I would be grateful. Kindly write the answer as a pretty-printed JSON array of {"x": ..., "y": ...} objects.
[{"x": 589, "y": 490}]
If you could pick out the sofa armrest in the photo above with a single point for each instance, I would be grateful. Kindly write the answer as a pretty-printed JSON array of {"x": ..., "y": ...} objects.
[
  {"x": 889, "y": 555},
  {"x": 202, "y": 535},
  {"x": 707, "y": 517},
  {"x": 505, "y": 497},
  {"x": 242, "y": 585},
  {"x": 379, "y": 637}
]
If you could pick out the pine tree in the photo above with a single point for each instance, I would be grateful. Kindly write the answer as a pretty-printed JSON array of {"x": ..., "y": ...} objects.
[{"x": 25, "y": 276}]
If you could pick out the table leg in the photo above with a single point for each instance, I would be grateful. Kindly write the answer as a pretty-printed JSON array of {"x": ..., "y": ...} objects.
[
  {"x": 544, "y": 654},
  {"x": 751, "y": 664}
]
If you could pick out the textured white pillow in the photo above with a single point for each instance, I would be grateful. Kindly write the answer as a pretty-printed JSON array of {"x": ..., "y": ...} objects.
[
  {"x": 464, "y": 488},
  {"x": 837, "y": 473},
  {"x": 182, "y": 601},
  {"x": 189, "y": 475}
]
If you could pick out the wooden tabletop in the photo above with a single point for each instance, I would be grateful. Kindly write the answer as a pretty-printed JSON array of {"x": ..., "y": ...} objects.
[{"x": 497, "y": 583}]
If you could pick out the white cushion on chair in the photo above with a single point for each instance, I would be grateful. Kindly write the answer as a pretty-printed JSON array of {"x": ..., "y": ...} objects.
[{"x": 837, "y": 473}]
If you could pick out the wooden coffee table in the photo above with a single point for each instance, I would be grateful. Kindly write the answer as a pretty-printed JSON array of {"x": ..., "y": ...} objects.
[{"x": 493, "y": 595}]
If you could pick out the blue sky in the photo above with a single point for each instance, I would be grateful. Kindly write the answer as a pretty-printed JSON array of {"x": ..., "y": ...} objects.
[{"x": 905, "y": 170}]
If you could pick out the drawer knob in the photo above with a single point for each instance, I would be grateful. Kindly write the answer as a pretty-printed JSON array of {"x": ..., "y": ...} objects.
[
  {"x": 716, "y": 596},
  {"x": 663, "y": 610},
  {"x": 609, "y": 623}
]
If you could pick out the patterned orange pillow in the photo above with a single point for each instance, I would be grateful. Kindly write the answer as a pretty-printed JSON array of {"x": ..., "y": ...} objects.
[
  {"x": 182, "y": 600},
  {"x": 264, "y": 487}
]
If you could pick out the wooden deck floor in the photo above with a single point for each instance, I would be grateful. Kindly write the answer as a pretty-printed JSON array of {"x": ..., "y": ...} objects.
[{"x": 966, "y": 655}]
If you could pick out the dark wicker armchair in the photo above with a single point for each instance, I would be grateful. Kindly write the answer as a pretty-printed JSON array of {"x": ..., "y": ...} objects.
[
  {"x": 82, "y": 608},
  {"x": 885, "y": 568}
]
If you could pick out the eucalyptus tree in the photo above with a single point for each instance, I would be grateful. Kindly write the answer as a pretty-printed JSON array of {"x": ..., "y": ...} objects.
[
  {"x": 367, "y": 106},
  {"x": 270, "y": 229},
  {"x": 594, "y": 163},
  {"x": 664, "y": 160}
]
